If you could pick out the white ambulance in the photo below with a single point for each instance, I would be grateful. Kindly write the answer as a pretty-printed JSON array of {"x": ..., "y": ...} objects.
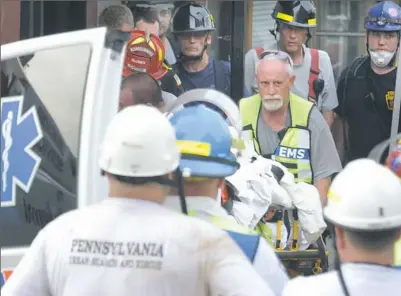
[{"x": 58, "y": 94}]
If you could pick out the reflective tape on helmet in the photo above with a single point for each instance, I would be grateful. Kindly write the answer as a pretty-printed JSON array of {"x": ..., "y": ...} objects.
[
  {"x": 284, "y": 17},
  {"x": 194, "y": 147},
  {"x": 312, "y": 21}
]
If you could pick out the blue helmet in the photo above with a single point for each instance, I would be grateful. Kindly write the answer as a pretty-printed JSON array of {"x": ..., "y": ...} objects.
[
  {"x": 384, "y": 16},
  {"x": 205, "y": 143}
]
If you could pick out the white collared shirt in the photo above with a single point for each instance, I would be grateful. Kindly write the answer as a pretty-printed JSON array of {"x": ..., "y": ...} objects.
[
  {"x": 360, "y": 279},
  {"x": 133, "y": 247}
]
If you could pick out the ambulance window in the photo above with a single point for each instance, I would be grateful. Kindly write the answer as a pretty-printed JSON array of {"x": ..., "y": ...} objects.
[{"x": 41, "y": 108}]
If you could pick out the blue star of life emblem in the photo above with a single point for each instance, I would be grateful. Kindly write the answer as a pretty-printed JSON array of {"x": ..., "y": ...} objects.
[{"x": 19, "y": 133}]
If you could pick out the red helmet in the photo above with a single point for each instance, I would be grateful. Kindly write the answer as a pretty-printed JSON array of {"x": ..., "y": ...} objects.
[
  {"x": 145, "y": 53},
  {"x": 393, "y": 162}
]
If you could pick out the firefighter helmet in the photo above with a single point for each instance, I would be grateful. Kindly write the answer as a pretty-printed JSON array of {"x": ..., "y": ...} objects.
[
  {"x": 145, "y": 53},
  {"x": 384, "y": 16},
  {"x": 295, "y": 13},
  {"x": 192, "y": 17},
  {"x": 365, "y": 196}
]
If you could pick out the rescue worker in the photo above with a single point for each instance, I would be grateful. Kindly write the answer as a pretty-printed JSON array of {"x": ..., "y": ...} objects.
[
  {"x": 192, "y": 26},
  {"x": 366, "y": 88},
  {"x": 145, "y": 53},
  {"x": 287, "y": 128},
  {"x": 163, "y": 12},
  {"x": 313, "y": 70},
  {"x": 141, "y": 88},
  {"x": 206, "y": 159},
  {"x": 114, "y": 248},
  {"x": 364, "y": 206},
  {"x": 146, "y": 21},
  {"x": 117, "y": 17}
]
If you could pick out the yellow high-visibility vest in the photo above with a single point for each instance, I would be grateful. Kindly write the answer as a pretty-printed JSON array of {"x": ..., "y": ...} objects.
[{"x": 294, "y": 149}]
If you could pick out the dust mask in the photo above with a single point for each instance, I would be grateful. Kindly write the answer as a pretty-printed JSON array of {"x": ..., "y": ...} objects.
[{"x": 381, "y": 58}]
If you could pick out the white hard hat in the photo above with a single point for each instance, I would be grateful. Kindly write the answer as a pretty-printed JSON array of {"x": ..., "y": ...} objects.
[
  {"x": 139, "y": 142},
  {"x": 365, "y": 196}
]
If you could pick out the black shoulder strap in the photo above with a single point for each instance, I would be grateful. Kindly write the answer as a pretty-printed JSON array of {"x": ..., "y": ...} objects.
[
  {"x": 222, "y": 77},
  {"x": 356, "y": 63},
  {"x": 351, "y": 73}
]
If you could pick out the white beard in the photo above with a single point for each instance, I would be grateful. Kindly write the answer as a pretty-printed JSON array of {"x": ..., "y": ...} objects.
[{"x": 272, "y": 104}]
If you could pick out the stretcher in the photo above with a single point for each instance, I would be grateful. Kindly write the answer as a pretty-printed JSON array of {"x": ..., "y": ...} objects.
[{"x": 313, "y": 260}]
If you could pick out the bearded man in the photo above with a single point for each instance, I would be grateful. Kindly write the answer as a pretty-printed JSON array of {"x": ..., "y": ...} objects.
[{"x": 288, "y": 128}]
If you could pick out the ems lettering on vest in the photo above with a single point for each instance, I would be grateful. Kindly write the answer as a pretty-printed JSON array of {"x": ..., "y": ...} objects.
[{"x": 296, "y": 153}]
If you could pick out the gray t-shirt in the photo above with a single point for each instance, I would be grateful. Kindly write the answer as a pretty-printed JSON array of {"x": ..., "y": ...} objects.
[
  {"x": 324, "y": 158},
  {"x": 327, "y": 99}
]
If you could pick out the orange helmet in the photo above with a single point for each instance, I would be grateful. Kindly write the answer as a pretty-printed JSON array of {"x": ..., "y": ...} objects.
[
  {"x": 393, "y": 162},
  {"x": 145, "y": 53}
]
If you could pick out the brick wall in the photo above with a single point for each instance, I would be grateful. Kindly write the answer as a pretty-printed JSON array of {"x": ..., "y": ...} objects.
[{"x": 10, "y": 21}]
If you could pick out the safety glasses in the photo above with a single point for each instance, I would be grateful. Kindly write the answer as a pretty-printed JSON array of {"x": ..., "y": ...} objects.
[{"x": 281, "y": 55}]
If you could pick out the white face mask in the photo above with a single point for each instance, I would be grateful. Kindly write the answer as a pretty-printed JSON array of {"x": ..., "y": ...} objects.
[{"x": 381, "y": 58}]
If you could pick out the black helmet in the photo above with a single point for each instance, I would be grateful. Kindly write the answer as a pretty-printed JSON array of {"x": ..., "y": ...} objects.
[
  {"x": 296, "y": 13},
  {"x": 192, "y": 17}
]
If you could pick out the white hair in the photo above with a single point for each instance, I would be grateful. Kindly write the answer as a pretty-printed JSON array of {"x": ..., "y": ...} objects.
[{"x": 289, "y": 67}]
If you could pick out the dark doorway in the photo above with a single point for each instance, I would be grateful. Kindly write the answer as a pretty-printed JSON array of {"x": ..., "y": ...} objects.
[{"x": 40, "y": 18}]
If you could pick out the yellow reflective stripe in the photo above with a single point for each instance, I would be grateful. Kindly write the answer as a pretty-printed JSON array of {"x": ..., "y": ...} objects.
[
  {"x": 167, "y": 66},
  {"x": 300, "y": 109},
  {"x": 278, "y": 236},
  {"x": 249, "y": 110},
  {"x": 295, "y": 235},
  {"x": 225, "y": 223},
  {"x": 397, "y": 255},
  {"x": 291, "y": 138},
  {"x": 312, "y": 21},
  {"x": 285, "y": 160},
  {"x": 264, "y": 232},
  {"x": 284, "y": 17},
  {"x": 305, "y": 180},
  {"x": 194, "y": 147},
  {"x": 237, "y": 143},
  {"x": 303, "y": 166}
]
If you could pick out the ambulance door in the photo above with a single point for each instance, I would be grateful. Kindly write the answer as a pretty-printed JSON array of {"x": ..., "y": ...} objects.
[
  {"x": 58, "y": 94},
  {"x": 396, "y": 124}
]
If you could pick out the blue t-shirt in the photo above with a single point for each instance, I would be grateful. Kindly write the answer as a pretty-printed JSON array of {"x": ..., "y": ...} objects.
[{"x": 202, "y": 79}]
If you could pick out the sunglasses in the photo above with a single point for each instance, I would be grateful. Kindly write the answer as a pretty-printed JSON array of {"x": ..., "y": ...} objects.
[{"x": 281, "y": 55}]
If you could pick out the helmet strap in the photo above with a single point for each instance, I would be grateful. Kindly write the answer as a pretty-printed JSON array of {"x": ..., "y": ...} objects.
[
  {"x": 185, "y": 58},
  {"x": 392, "y": 61},
  {"x": 308, "y": 37},
  {"x": 180, "y": 187},
  {"x": 275, "y": 30},
  {"x": 337, "y": 260}
]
